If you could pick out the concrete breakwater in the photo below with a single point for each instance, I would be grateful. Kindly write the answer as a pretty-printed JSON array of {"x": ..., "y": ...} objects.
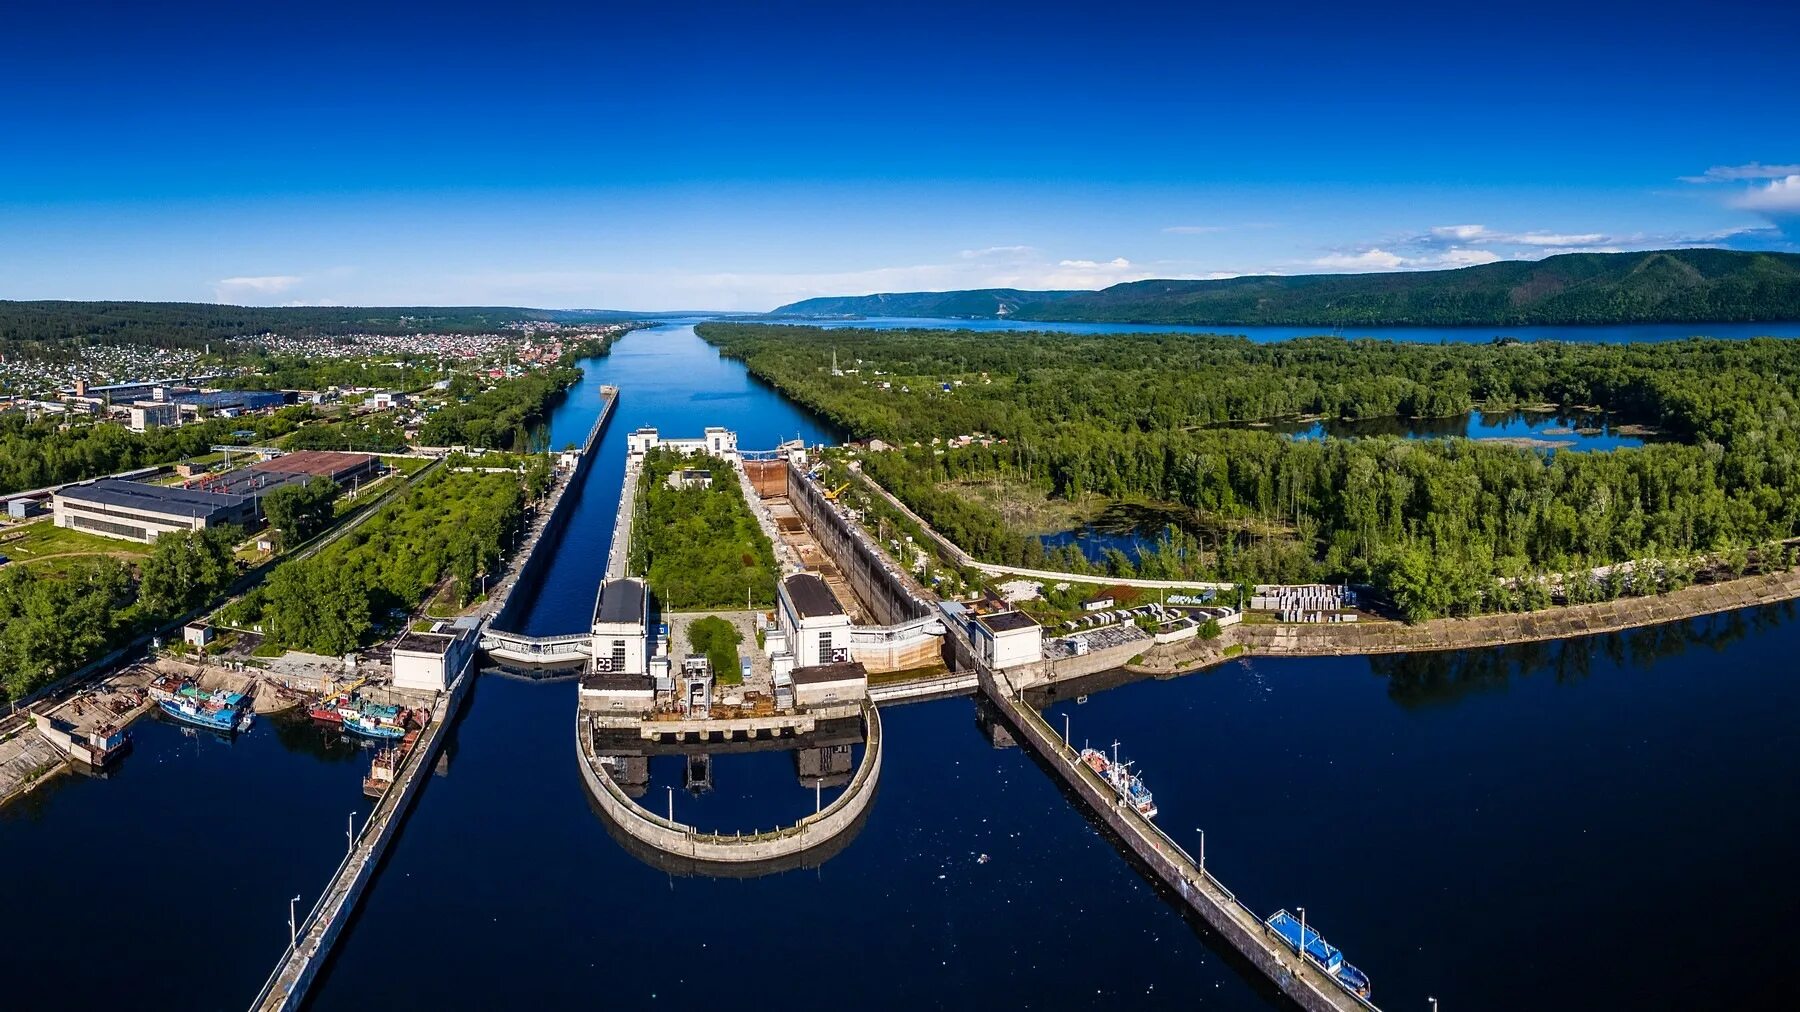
[
  {"x": 688, "y": 843},
  {"x": 287, "y": 986},
  {"x": 1234, "y": 923}
]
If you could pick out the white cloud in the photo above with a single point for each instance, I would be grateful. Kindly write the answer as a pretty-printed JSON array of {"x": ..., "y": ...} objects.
[
  {"x": 1461, "y": 233},
  {"x": 1373, "y": 259},
  {"x": 263, "y": 286},
  {"x": 1467, "y": 257},
  {"x": 1742, "y": 173},
  {"x": 1554, "y": 239},
  {"x": 996, "y": 251},
  {"x": 1779, "y": 196},
  {"x": 1194, "y": 229},
  {"x": 1481, "y": 233}
]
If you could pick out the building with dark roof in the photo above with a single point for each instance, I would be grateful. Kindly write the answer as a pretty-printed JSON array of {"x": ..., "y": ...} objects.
[
  {"x": 430, "y": 661},
  {"x": 620, "y": 629},
  {"x": 830, "y": 684},
  {"x": 1006, "y": 639},
  {"x": 137, "y": 511},
  {"x": 817, "y": 629}
]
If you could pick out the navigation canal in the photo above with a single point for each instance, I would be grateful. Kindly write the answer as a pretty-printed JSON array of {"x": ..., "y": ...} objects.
[{"x": 1598, "y": 823}]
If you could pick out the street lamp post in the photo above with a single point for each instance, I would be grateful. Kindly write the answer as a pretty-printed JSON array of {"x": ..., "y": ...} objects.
[
  {"x": 1433, "y": 1002},
  {"x": 1202, "y": 833},
  {"x": 350, "y": 833},
  {"x": 1065, "y": 730},
  {"x": 671, "y": 804},
  {"x": 293, "y": 927},
  {"x": 1302, "y": 952}
]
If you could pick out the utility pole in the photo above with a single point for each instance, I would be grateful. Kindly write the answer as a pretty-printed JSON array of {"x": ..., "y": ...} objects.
[
  {"x": 1302, "y": 952},
  {"x": 293, "y": 928}
]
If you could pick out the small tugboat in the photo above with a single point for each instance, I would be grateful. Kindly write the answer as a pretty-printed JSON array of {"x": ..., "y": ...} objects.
[
  {"x": 381, "y": 772},
  {"x": 1119, "y": 777}
]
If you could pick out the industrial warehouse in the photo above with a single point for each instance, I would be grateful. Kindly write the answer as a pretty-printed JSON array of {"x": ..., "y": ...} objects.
[
  {"x": 137, "y": 511},
  {"x": 140, "y": 511}
]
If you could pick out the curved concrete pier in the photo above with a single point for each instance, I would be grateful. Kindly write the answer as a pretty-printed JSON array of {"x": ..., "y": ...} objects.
[{"x": 777, "y": 847}]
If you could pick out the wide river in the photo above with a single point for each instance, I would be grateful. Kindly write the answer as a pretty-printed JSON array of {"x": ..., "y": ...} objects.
[{"x": 1597, "y": 823}]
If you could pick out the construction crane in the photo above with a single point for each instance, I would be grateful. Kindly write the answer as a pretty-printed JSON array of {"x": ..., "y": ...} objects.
[{"x": 832, "y": 495}]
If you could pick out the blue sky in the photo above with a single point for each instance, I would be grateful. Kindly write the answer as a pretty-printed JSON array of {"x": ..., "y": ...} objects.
[{"x": 739, "y": 156}]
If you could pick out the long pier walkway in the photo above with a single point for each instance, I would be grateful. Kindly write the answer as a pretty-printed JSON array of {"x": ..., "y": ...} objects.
[
  {"x": 1236, "y": 925},
  {"x": 286, "y": 988}
]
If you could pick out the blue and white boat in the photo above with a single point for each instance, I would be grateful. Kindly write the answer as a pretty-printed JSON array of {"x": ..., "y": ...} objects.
[
  {"x": 373, "y": 726},
  {"x": 224, "y": 712},
  {"x": 1322, "y": 954}
]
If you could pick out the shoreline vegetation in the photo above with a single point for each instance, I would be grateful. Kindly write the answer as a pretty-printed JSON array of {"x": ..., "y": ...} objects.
[
  {"x": 1452, "y": 634},
  {"x": 1439, "y": 527}
]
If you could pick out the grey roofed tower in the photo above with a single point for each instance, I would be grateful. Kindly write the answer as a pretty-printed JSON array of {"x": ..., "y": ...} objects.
[{"x": 620, "y": 601}]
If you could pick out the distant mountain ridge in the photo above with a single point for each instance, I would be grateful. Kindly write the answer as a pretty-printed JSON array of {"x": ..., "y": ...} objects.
[
  {"x": 977, "y": 303},
  {"x": 1672, "y": 286}
]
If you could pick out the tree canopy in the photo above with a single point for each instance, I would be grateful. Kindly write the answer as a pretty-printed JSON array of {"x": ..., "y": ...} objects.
[{"x": 1436, "y": 523}]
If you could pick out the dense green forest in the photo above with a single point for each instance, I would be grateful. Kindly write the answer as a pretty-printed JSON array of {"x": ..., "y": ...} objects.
[
  {"x": 446, "y": 525},
  {"x": 1432, "y": 522},
  {"x": 50, "y": 625},
  {"x": 502, "y": 416},
  {"x": 1676, "y": 286},
  {"x": 193, "y": 324},
  {"x": 700, "y": 548}
]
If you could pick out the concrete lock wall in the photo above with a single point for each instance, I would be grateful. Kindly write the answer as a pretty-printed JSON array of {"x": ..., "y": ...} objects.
[
  {"x": 684, "y": 841},
  {"x": 868, "y": 574},
  {"x": 528, "y": 571}
]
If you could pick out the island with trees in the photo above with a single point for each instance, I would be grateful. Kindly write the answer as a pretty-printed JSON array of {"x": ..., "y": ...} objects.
[{"x": 695, "y": 538}]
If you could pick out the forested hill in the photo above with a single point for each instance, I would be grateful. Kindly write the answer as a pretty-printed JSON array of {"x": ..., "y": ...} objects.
[
  {"x": 984, "y": 302},
  {"x": 1673, "y": 286},
  {"x": 193, "y": 323}
]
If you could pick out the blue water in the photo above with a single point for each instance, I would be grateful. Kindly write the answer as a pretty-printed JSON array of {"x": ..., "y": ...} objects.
[
  {"x": 1564, "y": 431},
  {"x": 1546, "y": 827},
  {"x": 1095, "y": 541},
  {"x": 167, "y": 885},
  {"x": 1609, "y": 334}
]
